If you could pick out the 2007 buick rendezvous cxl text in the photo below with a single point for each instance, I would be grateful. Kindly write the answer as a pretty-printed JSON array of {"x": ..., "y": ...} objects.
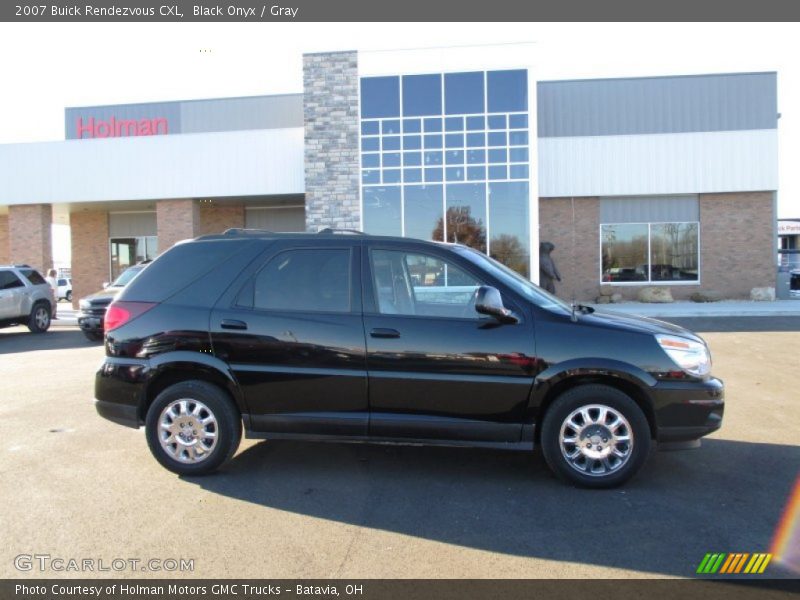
[{"x": 341, "y": 337}]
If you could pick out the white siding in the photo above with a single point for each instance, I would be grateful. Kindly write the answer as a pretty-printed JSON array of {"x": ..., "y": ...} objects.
[
  {"x": 672, "y": 163},
  {"x": 198, "y": 165}
]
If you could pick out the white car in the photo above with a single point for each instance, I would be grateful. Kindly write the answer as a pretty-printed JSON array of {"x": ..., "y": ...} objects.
[{"x": 65, "y": 289}]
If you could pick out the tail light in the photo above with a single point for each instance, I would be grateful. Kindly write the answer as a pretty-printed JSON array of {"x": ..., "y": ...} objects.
[{"x": 119, "y": 313}]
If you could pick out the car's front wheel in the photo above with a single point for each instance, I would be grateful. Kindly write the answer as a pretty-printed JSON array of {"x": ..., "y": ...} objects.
[
  {"x": 68, "y": 296},
  {"x": 193, "y": 428},
  {"x": 595, "y": 436},
  {"x": 39, "y": 319}
]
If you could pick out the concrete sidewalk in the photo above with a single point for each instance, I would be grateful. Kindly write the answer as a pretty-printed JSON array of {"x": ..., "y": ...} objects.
[{"x": 725, "y": 308}]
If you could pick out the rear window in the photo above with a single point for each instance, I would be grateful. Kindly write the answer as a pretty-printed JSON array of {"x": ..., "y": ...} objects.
[
  {"x": 33, "y": 276},
  {"x": 179, "y": 267}
]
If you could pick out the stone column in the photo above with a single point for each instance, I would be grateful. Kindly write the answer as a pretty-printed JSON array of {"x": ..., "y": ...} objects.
[
  {"x": 30, "y": 236},
  {"x": 330, "y": 109},
  {"x": 176, "y": 220},
  {"x": 90, "y": 252},
  {"x": 5, "y": 257}
]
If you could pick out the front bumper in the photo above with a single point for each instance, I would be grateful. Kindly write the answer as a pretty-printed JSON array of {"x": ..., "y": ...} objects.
[
  {"x": 688, "y": 410},
  {"x": 90, "y": 323},
  {"x": 119, "y": 389}
]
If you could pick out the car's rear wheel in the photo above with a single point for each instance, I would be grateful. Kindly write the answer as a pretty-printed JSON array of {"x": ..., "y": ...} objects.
[
  {"x": 595, "y": 436},
  {"x": 39, "y": 319},
  {"x": 193, "y": 428},
  {"x": 68, "y": 296}
]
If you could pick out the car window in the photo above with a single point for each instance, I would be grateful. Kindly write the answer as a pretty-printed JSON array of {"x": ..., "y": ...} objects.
[
  {"x": 306, "y": 279},
  {"x": 411, "y": 283},
  {"x": 33, "y": 276},
  {"x": 9, "y": 280},
  {"x": 62, "y": 282}
]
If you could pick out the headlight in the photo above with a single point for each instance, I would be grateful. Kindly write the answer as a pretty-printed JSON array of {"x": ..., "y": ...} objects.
[{"x": 693, "y": 357}]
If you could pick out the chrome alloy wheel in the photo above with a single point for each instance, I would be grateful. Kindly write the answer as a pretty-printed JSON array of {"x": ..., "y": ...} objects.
[
  {"x": 596, "y": 440},
  {"x": 187, "y": 430},
  {"x": 41, "y": 317}
]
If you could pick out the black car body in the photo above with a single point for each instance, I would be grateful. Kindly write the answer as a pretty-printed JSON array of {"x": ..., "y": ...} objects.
[
  {"x": 92, "y": 308},
  {"x": 366, "y": 338}
]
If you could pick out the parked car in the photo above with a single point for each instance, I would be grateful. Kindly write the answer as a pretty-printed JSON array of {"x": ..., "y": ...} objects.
[
  {"x": 25, "y": 298},
  {"x": 328, "y": 337},
  {"x": 65, "y": 289},
  {"x": 92, "y": 308}
]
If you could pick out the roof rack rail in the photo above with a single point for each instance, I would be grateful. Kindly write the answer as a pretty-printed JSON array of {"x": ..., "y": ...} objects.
[
  {"x": 244, "y": 231},
  {"x": 332, "y": 230}
]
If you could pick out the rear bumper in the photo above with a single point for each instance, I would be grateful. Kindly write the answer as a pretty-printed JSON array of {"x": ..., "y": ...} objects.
[
  {"x": 688, "y": 410},
  {"x": 121, "y": 414},
  {"x": 119, "y": 387}
]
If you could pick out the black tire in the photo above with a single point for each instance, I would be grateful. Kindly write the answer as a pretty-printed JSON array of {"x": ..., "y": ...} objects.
[
  {"x": 68, "y": 297},
  {"x": 93, "y": 336},
  {"x": 39, "y": 319},
  {"x": 228, "y": 427},
  {"x": 610, "y": 473}
]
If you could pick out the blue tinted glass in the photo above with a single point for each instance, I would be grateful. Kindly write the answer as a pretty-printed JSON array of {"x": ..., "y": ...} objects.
[
  {"x": 422, "y": 95},
  {"x": 454, "y": 124},
  {"x": 455, "y": 173},
  {"x": 476, "y": 123},
  {"x": 412, "y": 125},
  {"x": 466, "y": 214},
  {"x": 474, "y": 173},
  {"x": 494, "y": 172},
  {"x": 433, "y": 141},
  {"x": 412, "y": 142},
  {"x": 391, "y": 176},
  {"x": 497, "y": 155},
  {"x": 508, "y": 91},
  {"x": 412, "y": 159},
  {"x": 518, "y": 171},
  {"x": 369, "y": 128},
  {"x": 454, "y": 140},
  {"x": 382, "y": 210},
  {"x": 392, "y": 126},
  {"x": 370, "y": 160},
  {"x": 518, "y": 154},
  {"x": 380, "y": 97},
  {"x": 463, "y": 93},
  {"x": 508, "y": 214},
  {"x": 372, "y": 176},
  {"x": 370, "y": 143},
  {"x": 476, "y": 156},
  {"x": 517, "y": 121},
  {"x": 476, "y": 139},
  {"x": 391, "y": 159},
  {"x": 454, "y": 157},
  {"x": 433, "y": 125},
  {"x": 497, "y": 138},
  {"x": 423, "y": 211},
  {"x": 433, "y": 158},
  {"x": 391, "y": 142},
  {"x": 518, "y": 138},
  {"x": 497, "y": 121},
  {"x": 433, "y": 174},
  {"x": 412, "y": 175}
]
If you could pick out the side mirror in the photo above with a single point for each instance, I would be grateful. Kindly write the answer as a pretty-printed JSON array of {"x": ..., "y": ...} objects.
[{"x": 489, "y": 302}]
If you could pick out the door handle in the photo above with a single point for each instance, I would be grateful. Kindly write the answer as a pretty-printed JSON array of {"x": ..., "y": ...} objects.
[
  {"x": 233, "y": 324},
  {"x": 382, "y": 332}
]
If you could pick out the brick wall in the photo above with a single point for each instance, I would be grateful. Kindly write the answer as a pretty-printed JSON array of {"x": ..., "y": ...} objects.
[
  {"x": 176, "y": 220},
  {"x": 216, "y": 218},
  {"x": 30, "y": 236},
  {"x": 90, "y": 252},
  {"x": 737, "y": 247},
  {"x": 330, "y": 108},
  {"x": 577, "y": 252},
  {"x": 5, "y": 257}
]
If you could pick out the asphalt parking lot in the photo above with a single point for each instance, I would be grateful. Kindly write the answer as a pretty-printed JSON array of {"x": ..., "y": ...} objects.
[{"x": 75, "y": 486}]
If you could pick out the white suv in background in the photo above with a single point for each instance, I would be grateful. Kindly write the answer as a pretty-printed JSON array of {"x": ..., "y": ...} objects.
[
  {"x": 25, "y": 298},
  {"x": 65, "y": 289}
]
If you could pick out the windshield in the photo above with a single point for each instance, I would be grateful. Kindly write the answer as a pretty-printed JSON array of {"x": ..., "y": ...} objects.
[
  {"x": 126, "y": 276},
  {"x": 514, "y": 280}
]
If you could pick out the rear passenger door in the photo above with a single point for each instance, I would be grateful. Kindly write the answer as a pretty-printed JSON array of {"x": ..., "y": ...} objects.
[{"x": 293, "y": 335}]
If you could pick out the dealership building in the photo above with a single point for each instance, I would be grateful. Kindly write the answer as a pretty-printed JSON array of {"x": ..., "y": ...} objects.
[{"x": 647, "y": 181}]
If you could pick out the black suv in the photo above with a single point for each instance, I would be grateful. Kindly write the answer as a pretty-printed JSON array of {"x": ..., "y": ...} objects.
[{"x": 362, "y": 338}]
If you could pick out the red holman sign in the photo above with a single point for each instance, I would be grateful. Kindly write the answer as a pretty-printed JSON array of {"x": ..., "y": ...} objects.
[{"x": 113, "y": 127}]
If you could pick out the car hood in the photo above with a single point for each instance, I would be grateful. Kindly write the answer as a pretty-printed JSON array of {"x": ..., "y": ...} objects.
[
  {"x": 107, "y": 294},
  {"x": 636, "y": 323}
]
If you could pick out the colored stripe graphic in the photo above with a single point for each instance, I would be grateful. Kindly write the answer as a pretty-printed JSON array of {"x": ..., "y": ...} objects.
[
  {"x": 711, "y": 563},
  {"x": 734, "y": 563}
]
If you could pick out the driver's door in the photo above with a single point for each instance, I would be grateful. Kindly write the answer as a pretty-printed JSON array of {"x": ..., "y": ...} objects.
[{"x": 436, "y": 368}]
